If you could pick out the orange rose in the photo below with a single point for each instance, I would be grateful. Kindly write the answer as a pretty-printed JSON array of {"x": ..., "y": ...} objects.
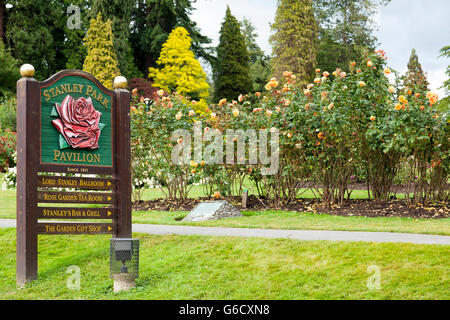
[
  {"x": 222, "y": 102},
  {"x": 402, "y": 99}
]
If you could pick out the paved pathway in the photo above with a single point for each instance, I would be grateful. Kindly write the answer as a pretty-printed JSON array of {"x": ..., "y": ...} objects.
[{"x": 283, "y": 234}]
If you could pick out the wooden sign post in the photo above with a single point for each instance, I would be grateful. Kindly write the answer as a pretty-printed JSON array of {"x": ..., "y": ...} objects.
[{"x": 70, "y": 126}]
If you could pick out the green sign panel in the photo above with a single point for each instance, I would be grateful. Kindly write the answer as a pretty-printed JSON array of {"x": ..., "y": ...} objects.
[{"x": 76, "y": 123}]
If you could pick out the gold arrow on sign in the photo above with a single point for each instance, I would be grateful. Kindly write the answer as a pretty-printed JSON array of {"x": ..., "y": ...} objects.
[
  {"x": 109, "y": 198},
  {"x": 109, "y": 213},
  {"x": 109, "y": 183},
  {"x": 109, "y": 228}
]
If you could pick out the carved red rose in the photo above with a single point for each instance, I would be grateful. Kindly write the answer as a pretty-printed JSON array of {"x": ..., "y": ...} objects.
[{"x": 78, "y": 122}]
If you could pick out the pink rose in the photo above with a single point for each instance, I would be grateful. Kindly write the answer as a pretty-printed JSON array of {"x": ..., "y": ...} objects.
[{"x": 78, "y": 122}]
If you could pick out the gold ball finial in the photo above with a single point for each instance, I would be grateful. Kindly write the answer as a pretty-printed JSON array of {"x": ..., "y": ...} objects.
[
  {"x": 27, "y": 70},
  {"x": 120, "y": 82}
]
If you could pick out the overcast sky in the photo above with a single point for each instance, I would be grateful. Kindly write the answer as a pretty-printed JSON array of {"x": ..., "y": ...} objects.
[{"x": 402, "y": 25}]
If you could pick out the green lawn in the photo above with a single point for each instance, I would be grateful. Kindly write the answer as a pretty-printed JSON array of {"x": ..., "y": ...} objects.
[
  {"x": 274, "y": 219},
  {"x": 195, "y": 267}
]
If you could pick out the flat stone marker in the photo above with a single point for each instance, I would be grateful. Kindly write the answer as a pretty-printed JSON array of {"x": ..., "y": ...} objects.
[{"x": 212, "y": 210}]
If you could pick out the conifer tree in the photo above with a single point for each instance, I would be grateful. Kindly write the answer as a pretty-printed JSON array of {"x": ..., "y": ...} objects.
[
  {"x": 73, "y": 47},
  {"x": 293, "y": 42},
  {"x": 180, "y": 71},
  {"x": 345, "y": 31},
  {"x": 415, "y": 79},
  {"x": 9, "y": 71},
  {"x": 259, "y": 62},
  {"x": 232, "y": 70},
  {"x": 119, "y": 12},
  {"x": 154, "y": 20},
  {"x": 35, "y": 34},
  {"x": 101, "y": 59},
  {"x": 445, "y": 52}
]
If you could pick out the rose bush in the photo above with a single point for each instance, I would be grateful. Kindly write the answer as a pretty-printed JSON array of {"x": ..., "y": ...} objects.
[
  {"x": 7, "y": 150},
  {"x": 340, "y": 128},
  {"x": 152, "y": 127}
]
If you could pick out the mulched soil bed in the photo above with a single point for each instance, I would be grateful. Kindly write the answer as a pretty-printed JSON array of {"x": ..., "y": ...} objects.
[{"x": 366, "y": 208}]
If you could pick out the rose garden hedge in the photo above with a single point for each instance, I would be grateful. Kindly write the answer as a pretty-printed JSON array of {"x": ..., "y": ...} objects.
[{"x": 340, "y": 128}]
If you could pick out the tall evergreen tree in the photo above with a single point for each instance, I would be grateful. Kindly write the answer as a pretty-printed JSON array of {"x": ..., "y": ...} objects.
[
  {"x": 101, "y": 59},
  {"x": 9, "y": 72},
  {"x": 293, "y": 42},
  {"x": 415, "y": 79},
  {"x": 35, "y": 34},
  {"x": 180, "y": 71},
  {"x": 260, "y": 69},
  {"x": 444, "y": 104},
  {"x": 3, "y": 13},
  {"x": 119, "y": 12},
  {"x": 232, "y": 70},
  {"x": 74, "y": 49},
  {"x": 445, "y": 52},
  {"x": 152, "y": 23},
  {"x": 345, "y": 30}
]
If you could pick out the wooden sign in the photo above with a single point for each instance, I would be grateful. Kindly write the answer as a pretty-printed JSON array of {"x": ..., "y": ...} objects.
[
  {"x": 75, "y": 197},
  {"x": 75, "y": 228},
  {"x": 70, "y": 123},
  {"x": 76, "y": 213},
  {"x": 76, "y": 183},
  {"x": 76, "y": 125}
]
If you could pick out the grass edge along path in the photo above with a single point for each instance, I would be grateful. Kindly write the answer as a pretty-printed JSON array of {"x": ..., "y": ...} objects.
[
  {"x": 200, "y": 267},
  {"x": 289, "y": 220}
]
